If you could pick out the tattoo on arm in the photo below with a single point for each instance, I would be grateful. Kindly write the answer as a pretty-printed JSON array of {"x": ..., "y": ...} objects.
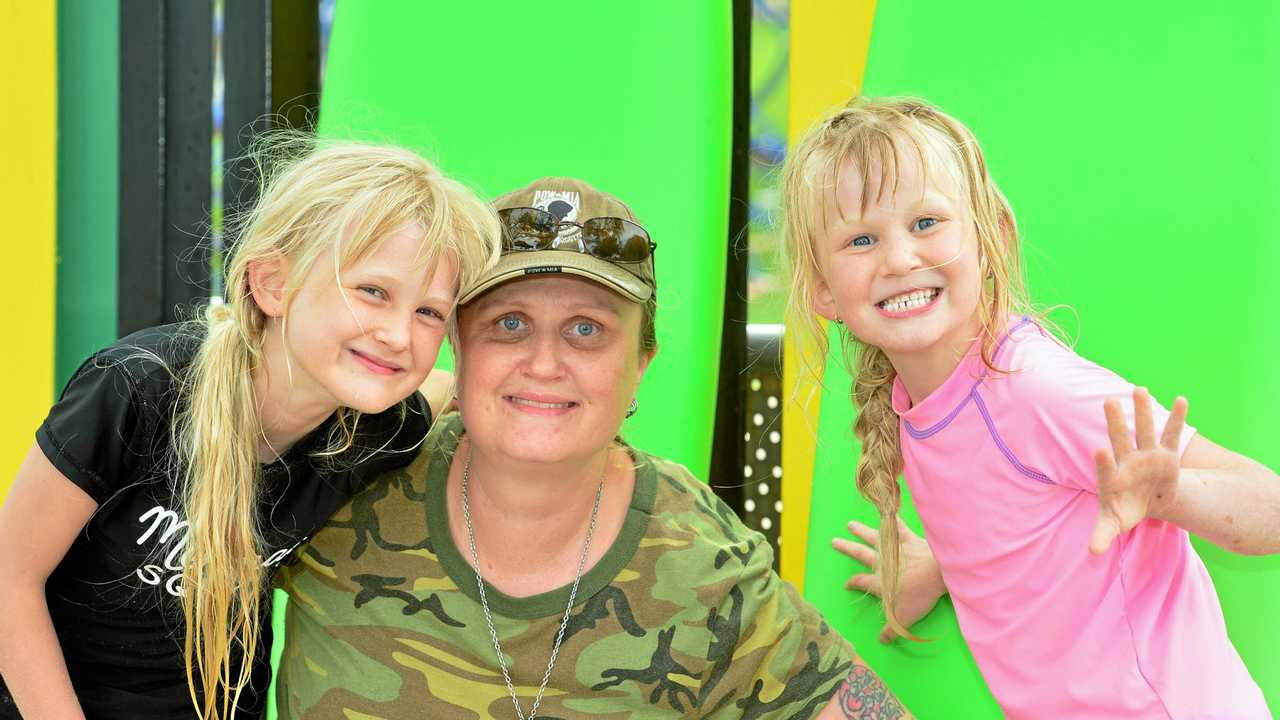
[{"x": 864, "y": 696}]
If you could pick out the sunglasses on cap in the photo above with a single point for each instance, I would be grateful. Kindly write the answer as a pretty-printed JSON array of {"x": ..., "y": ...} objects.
[{"x": 608, "y": 238}]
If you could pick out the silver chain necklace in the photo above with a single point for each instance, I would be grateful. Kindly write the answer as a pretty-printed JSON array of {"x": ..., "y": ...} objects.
[{"x": 484, "y": 603}]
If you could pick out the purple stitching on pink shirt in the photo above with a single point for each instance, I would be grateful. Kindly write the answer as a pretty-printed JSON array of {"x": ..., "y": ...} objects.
[
  {"x": 941, "y": 425},
  {"x": 1008, "y": 454},
  {"x": 986, "y": 416},
  {"x": 995, "y": 356}
]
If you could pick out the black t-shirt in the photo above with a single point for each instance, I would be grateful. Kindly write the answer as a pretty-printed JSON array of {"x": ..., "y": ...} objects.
[{"x": 115, "y": 597}]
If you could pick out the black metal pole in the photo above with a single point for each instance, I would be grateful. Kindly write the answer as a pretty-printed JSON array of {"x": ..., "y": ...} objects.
[
  {"x": 728, "y": 453},
  {"x": 188, "y": 141},
  {"x": 141, "y": 161}
]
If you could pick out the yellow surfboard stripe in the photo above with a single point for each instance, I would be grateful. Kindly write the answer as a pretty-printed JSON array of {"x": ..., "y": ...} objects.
[
  {"x": 829, "y": 43},
  {"x": 28, "y": 190}
]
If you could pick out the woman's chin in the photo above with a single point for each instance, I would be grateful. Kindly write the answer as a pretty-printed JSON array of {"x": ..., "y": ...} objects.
[
  {"x": 540, "y": 455},
  {"x": 554, "y": 438},
  {"x": 548, "y": 449}
]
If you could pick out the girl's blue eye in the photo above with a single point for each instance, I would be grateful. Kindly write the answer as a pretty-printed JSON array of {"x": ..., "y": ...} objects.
[
  {"x": 861, "y": 241},
  {"x": 431, "y": 312},
  {"x": 924, "y": 223},
  {"x": 370, "y": 290}
]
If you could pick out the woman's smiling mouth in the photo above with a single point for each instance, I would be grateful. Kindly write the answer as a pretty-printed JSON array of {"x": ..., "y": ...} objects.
[{"x": 540, "y": 404}]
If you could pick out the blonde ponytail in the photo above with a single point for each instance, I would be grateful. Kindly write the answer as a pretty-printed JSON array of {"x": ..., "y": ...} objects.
[{"x": 222, "y": 577}]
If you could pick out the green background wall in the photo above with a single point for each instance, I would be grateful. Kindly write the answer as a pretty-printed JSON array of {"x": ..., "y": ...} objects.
[
  {"x": 632, "y": 97},
  {"x": 88, "y": 128},
  {"x": 1138, "y": 146}
]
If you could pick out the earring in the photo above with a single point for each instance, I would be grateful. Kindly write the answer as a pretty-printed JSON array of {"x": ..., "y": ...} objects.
[{"x": 635, "y": 405}]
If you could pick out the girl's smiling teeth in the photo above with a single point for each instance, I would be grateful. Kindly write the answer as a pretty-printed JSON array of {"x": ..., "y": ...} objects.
[{"x": 909, "y": 300}]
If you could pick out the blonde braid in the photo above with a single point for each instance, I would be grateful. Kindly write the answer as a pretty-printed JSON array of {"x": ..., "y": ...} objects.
[{"x": 879, "y": 465}]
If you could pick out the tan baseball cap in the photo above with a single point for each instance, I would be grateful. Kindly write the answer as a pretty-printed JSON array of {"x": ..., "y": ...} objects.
[{"x": 568, "y": 200}]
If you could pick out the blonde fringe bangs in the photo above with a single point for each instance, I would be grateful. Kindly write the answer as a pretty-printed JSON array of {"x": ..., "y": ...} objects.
[
  {"x": 318, "y": 196},
  {"x": 359, "y": 193},
  {"x": 874, "y": 136}
]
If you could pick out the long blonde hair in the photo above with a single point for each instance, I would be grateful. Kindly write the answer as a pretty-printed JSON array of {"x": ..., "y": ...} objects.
[
  {"x": 317, "y": 196},
  {"x": 871, "y": 135}
]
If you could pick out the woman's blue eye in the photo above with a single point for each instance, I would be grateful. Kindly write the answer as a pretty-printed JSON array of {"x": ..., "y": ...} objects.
[
  {"x": 510, "y": 323},
  {"x": 585, "y": 329},
  {"x": 861, "y": 241},
  {"x": 924, "y": 223}
]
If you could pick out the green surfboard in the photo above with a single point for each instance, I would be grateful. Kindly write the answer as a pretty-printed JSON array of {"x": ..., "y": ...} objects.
[{"x": 635, "y": 98}]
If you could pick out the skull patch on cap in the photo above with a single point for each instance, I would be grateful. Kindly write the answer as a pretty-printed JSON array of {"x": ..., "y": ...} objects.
[{"x": 562, "y": 204}]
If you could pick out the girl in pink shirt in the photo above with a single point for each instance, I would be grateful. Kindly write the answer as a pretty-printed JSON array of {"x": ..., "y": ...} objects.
[{"x": 1061, "y": 535}]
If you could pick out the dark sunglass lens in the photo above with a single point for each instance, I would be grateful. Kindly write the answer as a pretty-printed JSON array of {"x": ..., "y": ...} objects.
[
  {"x": 616, "y": 240},
  {"x": 524, "y": 242},
  {"x": 600, "y": 237},
  {"x": 635, "y": 246},
  {"x": 527, "y": 228}
]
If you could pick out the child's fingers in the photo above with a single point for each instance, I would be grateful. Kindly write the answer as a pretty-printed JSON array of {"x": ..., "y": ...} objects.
[
  {"x": 856, "y": 550},
  {"x": 887, "y": 635},
  {"x": 1105, "y": 471},
  {"x": 866, "y": 582},
  {"x": 1174, "y": 425},
  {"x": 1107, "y": 526},
  {"x": 903, "y": 529},
  {"x": 1105, "y": 531},
  {"x": 1117, "y": 429},
  {"x": 866, "y": 533},
  {"x": 1144, "y": 426}
]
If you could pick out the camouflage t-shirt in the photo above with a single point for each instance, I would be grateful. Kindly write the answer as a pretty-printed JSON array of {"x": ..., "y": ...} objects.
[{"x": 683, "y": 616}]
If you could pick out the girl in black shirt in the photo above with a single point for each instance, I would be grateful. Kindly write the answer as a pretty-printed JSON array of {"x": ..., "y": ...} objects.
[{"x": 183, "y": 463}]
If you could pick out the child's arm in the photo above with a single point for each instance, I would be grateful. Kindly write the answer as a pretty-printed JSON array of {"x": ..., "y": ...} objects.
[
  {"x": 1213, "y": 492},
  {"x": 39, "y": 520},
  {"x": 920, "y": 583},
  {"x": 438, "y": 390},
  {"x": 1227, "y": 499}
]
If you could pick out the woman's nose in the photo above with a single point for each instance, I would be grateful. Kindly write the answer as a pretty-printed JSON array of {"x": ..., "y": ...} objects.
[{"x": 544, "y": 358}]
